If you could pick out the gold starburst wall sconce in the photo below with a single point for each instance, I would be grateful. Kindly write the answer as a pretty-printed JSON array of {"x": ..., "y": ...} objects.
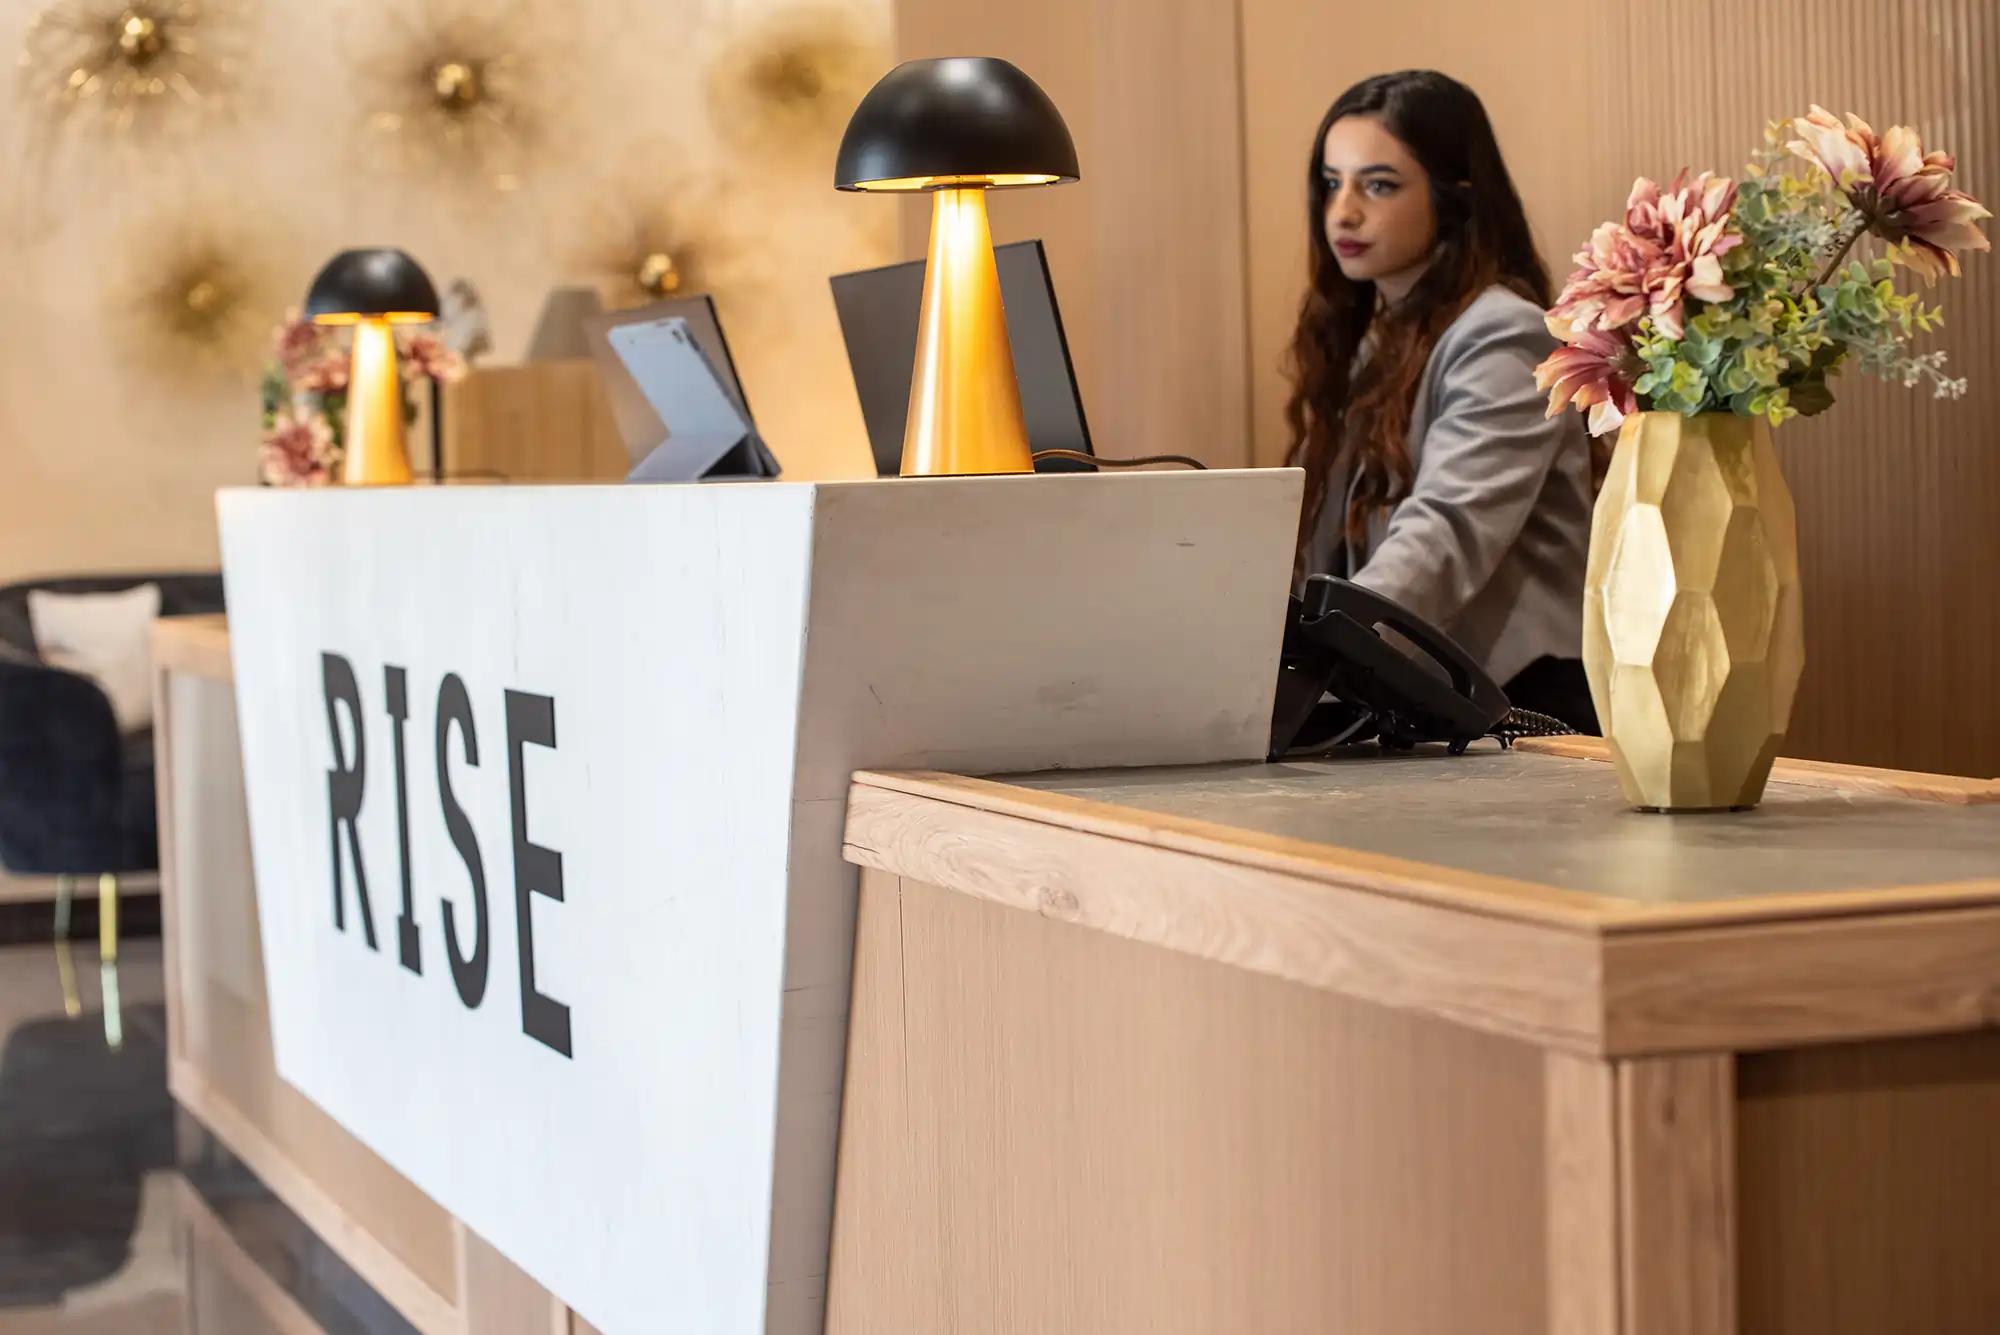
[
  {"x": 457, "y": 91},
  {"x": 649, "y": 239},
  {"x": 784, "y": 87},
  {"x": 133, "y": 65},
  {"x": 196, "y": 296}
]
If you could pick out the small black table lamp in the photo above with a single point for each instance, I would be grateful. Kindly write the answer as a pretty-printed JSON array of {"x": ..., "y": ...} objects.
[
  {"x": 959, "y": 127},
  {"x": 373, "y": 289}
]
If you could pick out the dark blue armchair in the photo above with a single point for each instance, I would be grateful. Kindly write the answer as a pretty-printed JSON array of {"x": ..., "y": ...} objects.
[{"x": 76, "y": 798}]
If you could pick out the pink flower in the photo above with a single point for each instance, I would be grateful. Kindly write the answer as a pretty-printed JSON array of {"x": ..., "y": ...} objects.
[
  {"x": 426, "y": 356},
  {"x": 1903, "y": 193},
  {"x": 298, "y": 453},
  {"x": 298, "y": 342},
  {"x": 1668, "y": 248},
  {"x": 325, "y": 375},
  {"x": 1594, "y": 371}
]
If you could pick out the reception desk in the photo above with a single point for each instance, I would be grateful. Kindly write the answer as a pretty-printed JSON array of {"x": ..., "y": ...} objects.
[
  {"x": 1382, "y": 1044},
  {"x": 1421, "y": 1044},
  {"x": 1376, "y": 1044}
]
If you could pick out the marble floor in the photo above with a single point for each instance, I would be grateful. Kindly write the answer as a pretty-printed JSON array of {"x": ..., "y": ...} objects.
[{"x": 120, "y": 1215}]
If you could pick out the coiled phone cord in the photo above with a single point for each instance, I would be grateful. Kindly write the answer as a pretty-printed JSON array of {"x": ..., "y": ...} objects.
[{"x": 1520, "y": 723}]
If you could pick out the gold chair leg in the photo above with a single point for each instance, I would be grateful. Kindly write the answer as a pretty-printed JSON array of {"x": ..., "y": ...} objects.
[
  {"x": 65, "y": 963},
  {"x": 107, "y": 953}
]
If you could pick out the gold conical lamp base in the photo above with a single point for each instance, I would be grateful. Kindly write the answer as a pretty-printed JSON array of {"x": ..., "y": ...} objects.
[
  {"x": 965, "y": 406},
  {"x": 375, "y": 453}
]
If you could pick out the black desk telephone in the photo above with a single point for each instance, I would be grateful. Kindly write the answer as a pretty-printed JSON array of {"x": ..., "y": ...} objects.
[{"x": 1339, "y": 681}]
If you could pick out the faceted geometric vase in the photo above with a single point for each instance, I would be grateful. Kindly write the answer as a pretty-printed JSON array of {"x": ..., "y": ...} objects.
[{"x": 1693, "y": 634}]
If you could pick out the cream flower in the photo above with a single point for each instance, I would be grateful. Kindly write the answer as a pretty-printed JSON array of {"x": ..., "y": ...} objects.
[{"x": 1903, "y": 194}]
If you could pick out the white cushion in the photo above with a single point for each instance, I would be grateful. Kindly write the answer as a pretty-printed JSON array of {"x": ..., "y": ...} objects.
[{"x": 107, "y": 637}]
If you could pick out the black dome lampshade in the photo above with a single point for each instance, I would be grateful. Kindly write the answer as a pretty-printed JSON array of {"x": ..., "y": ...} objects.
[
  {"x": 957, "y": 128},
  {"x": 955, "y": 122},
  {"x": 379, "y": 283}
]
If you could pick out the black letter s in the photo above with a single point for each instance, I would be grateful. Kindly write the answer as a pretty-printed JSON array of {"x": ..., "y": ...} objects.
[{"x": 468, "y": 975}]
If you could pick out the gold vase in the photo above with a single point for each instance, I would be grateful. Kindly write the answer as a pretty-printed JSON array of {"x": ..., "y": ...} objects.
[{"x": 1693, "y": 634}]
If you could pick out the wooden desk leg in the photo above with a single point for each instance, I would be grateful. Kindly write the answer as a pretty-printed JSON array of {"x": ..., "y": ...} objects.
[
  {"x": 1642, "y": 1196},
  {"x": 499, "y": 1298},
  {"x": 1582, "y": 1153}
]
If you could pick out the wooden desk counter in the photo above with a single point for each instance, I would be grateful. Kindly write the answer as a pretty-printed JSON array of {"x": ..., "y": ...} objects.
[{"x": 1421, "y": 1043}]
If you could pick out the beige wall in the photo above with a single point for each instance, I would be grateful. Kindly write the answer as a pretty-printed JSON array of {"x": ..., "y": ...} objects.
[
  {"x": 1899, "y": 497},
  {"x": 109, "y": 458}
]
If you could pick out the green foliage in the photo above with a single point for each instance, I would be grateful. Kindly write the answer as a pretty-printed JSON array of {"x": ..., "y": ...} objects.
[
  {"x": 275, "y": 391},
  {"x": 1798, "y": 317}
]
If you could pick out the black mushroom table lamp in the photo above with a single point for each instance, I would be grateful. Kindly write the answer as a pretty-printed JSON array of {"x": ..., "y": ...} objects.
[
  {"x": 373, "y": 289},
  {"x": 957, "y": 128}
]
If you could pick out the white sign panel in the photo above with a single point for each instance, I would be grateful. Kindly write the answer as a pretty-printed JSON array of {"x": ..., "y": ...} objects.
[{"x": 548, "y": 868}]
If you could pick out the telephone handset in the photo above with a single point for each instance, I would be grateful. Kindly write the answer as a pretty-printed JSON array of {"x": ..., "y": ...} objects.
[{"x": 1332, "y": 649}]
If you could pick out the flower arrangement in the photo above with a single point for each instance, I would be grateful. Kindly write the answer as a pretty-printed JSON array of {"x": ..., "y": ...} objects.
[
  {"x": 1713, "y": 295},
  {"x": 305, "y": 397}
]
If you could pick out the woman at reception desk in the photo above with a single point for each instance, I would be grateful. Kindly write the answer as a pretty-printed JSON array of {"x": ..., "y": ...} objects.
[{"x": 1433, "y": 475}]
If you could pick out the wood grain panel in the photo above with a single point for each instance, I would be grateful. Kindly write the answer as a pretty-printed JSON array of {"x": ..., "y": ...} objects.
[
  {"x": 1769, "y": 985},
  {"x": 887, "y": 1266},
  {"x": 1677, "y": 1195},
  {"x": 1217, "y": 839},
  {"x": 1869, "y": 1188},
  {"x": 1504, "y": 977},
  {"x": 197, "y": 645},
  {"x": 500, "y": 1298},
  {"x": 1146, "y": 249},
  {"x": 541, "y": 422},
  {"x": 167, "y": 820},
  {"x": 1223, "y": 833},
  {"x": 1730, "y": 974},
  {"x": 1582, "y": 1158},
  {"x": 1897, "y": 492},
  {"x": 1055, "y": 1130}
]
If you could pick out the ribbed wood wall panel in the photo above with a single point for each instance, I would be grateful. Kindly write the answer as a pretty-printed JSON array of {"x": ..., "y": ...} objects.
[{"x": 1194, "y": 119}]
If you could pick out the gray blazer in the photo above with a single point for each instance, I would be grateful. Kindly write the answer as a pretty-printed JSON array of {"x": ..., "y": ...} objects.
[{"x": 1490, "y": 543}]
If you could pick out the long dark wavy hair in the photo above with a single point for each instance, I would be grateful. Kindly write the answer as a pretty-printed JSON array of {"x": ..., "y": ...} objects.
[{"x": 1338, "y": 414}]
